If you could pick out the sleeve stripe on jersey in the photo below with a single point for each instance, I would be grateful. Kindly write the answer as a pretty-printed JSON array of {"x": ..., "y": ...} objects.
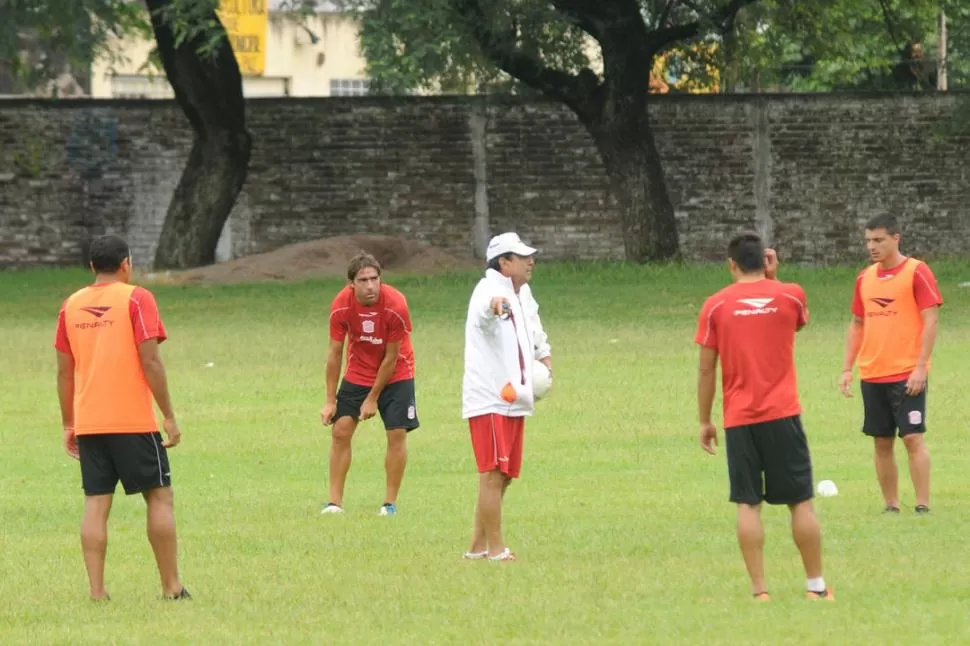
[
  {"x": 403, "y": 324},
  {"x": 710, "y": 322},
  {"x": 929, "y": 286},
  {"x": 801, "y": 306},
  {"x": 141, "y": 318},
  {"x": 337, "y": 311}
]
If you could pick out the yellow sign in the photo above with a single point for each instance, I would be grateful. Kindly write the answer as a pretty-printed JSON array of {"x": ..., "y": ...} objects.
[{"x": 246, "y": 24}]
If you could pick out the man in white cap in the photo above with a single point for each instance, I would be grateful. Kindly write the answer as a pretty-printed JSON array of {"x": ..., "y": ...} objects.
[{"x": 503, "y": 339}]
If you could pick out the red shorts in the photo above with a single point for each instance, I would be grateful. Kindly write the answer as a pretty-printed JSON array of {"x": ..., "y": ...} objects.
[{"x": 497, "y": 441}]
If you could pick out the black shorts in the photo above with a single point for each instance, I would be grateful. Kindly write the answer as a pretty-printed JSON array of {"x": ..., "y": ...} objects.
[
  {"x": 888, "y": 408},
  {"x": 778, "y": 452},
  {"x": 137, "y": 459},
  {"x": 396, "y": 404}
]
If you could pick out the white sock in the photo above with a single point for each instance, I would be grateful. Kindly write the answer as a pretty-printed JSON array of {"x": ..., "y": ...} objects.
[{"x": 816, "y": 585}]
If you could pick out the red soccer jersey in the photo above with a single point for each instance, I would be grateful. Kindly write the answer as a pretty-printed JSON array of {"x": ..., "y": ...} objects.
[
  {"x": 752, "y": 326},
  {"x": 368, "y": 329}
]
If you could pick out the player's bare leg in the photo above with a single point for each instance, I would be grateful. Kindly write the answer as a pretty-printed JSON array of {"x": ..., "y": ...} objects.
[
  {"x": 807, "y": 533},
  {"x": 919, "y": 467},
  {"x": 886, "y": 471},
  {"x": 340, "y": 455},
  {"x": 94, "y": 541},
  {"x": 751, "y": 538},
  {"x": 491, "y": 485},
  {"x": 479, "y": 538},
  {"x": 395, "y": 462},
  {"x": 161, "y": 535}
]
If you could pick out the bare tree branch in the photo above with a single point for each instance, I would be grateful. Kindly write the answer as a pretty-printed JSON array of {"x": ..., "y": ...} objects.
[
  {"x": 579, "y": 13},
  {"x": 721, "y": 20},
  {"x": 578, "y": 92},
  {"x": 665, "y": 13},
  {"x": 890, "y": 22}
]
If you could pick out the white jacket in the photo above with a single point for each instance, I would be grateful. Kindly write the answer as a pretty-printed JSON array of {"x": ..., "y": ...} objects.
[{"x": 493, "y": 346}]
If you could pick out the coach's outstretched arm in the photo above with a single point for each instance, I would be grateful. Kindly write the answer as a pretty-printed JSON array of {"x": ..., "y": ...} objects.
[
  {"x": 154, "y": 369},
  {"x": 490, "y": 308}
]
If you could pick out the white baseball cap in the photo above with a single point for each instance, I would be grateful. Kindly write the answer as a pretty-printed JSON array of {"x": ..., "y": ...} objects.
[{"x": 507, "y": 243}]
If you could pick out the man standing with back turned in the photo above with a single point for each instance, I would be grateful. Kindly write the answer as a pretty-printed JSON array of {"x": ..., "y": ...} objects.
[
  {"x": 108, "y": 370},
  {"x": 373, "y": 317},
  {"x": 503, "y": 339},
  {"x": 751, "y": 327},
  {"x": 892, "y": 332}
]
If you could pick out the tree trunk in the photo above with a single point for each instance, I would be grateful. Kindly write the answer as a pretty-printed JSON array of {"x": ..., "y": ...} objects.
[
  {"x": 637, "y": 180},
  {"x": 208, "y": 87}
]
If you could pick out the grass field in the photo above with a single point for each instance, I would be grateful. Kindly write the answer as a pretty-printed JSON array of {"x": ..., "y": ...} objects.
[{"x": 620, "y": 521}]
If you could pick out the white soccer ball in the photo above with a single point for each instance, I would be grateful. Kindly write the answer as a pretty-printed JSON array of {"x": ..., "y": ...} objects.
[
  {"x": 827, "y": 488},
  {"x": 541, "y": 380}
]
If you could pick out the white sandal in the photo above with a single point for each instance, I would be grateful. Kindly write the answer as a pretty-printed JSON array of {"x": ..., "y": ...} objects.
[
  {"x": 475, "y": 556},
  {"x": 505, "y": 555}
]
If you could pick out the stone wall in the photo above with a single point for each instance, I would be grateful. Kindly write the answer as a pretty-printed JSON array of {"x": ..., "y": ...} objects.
[{"x": 807, "y": 170}]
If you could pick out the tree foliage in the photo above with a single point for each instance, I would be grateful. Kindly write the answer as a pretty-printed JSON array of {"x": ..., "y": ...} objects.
[
  {"x": 787, "y": 45},
  {"x": 196, "y": 55},
  {"x": 42, "y": 39},
  {"x": 421, "y": 44},
  {"x": 831, "y": 45}
]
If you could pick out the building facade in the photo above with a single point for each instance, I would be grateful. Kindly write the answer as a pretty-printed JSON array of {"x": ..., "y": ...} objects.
[{"x": 280, "y": 54}]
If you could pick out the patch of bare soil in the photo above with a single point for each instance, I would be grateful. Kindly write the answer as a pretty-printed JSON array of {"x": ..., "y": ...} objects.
[{"x": 323, "y": 258}]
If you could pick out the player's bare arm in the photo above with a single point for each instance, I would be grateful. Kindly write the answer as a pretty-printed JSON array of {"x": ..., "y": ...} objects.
[
  {"x": 335, "y": 353},
  {"x": 369, "y": 408},
  {"x": 853, "y": 342},
  {"x": 917, "y": 379},
  {"x": 65, "y": 394},
  {"x": 771, "y": 264},
  {"x": 154, "y": 369},
  {"x": 706, "y": 387}
]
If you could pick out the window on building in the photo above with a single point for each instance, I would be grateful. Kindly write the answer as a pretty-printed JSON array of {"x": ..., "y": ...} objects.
[
  {"x": 131, "y": 86},
  {"x": 134, "y": 86},
  {"x": 349, "y": 87}
]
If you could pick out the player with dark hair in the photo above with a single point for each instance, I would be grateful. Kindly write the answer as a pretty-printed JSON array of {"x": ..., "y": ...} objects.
[
  {"x": 892, "y": 333},
  {"x": 374, "y": 320},
  {"x": 750, "y": 326},
  {"x": 108, "y": 372}
]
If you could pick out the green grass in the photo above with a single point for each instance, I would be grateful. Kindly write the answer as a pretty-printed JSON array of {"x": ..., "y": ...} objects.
[{"x": 620, "y": 521}]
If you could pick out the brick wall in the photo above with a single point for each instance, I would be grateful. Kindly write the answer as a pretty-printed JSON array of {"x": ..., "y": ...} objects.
[{"x": 807, "y": 170}]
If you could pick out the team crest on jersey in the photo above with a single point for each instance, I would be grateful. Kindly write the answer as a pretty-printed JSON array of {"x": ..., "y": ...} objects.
[
  {"x": 367, "y": 326},
  {"x": 410, "y": 412},
  {"x": 915, "y": 417}
]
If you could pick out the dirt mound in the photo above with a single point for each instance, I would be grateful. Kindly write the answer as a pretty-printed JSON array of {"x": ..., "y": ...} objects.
[{"x": 324, "y": 258}]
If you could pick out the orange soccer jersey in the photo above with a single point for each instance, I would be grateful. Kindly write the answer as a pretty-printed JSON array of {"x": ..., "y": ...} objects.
[
  {"x": 890, "y": 303},
  {"x": 101, "y": 326}
]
